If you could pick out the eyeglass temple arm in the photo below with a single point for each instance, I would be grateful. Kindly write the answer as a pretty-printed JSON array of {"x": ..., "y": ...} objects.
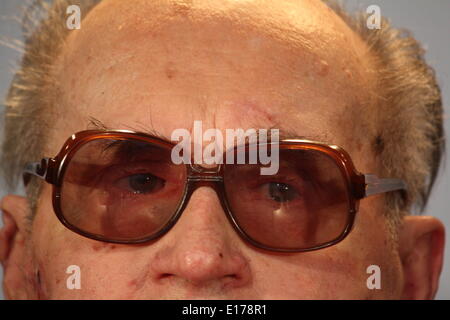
[
  {"x": 375, "y": 185},
  {"x": 38, "y": 169}
]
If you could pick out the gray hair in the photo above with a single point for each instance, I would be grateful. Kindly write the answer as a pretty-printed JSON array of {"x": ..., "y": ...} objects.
[{"x": 409, "y": 144}]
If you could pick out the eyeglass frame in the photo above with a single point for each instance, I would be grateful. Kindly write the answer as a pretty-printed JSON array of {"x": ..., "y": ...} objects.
[{"x": 358, "y": 185}]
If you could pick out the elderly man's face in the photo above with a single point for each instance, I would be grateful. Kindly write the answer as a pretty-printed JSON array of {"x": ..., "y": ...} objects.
[{"x": 231, "y": 64}]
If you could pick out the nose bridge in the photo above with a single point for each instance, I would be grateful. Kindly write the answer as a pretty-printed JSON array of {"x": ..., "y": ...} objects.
[
  {"x": 212, "y": 177},
  {"x": 198, "y": 173},
  {"x": 199, "y": 176}
]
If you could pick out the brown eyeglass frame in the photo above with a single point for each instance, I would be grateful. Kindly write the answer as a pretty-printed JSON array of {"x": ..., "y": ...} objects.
[{"x": 358, "y": 185}]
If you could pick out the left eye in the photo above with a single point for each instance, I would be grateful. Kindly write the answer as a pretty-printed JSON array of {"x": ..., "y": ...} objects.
[
  {"x": 281, "y": 192},
  {"x": 141, "y": 183}
]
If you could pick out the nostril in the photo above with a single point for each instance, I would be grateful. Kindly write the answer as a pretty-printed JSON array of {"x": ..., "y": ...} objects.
[{"x": 166, "y": 275}]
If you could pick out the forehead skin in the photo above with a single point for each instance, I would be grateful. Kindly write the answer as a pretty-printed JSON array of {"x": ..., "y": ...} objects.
[
  {"x": 232, "y": 64},
  {"x": 275, "y": 60}
]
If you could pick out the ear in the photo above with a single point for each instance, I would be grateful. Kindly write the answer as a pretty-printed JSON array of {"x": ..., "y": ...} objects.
[
  {"x": 421, "y": 248},
  {"x": 15, "y": 210}
]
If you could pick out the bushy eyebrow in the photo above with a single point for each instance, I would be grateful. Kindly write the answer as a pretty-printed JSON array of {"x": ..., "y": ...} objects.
[
  {"x": 284, "y": 133},
  {"x": 97, "y": 124}
]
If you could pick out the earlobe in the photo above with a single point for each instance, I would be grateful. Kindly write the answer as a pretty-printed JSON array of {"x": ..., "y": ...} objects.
[
  {"x": 12, "y": 243},
  {"x": 421, "y": 247}
]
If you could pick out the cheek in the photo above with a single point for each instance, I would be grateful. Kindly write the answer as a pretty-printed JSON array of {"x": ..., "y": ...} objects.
[
  {"x": 63, "y": 256},
  {"x": 375, "y": 244},
  {"x": 337, "y": 272},
  {"x": 331, "y": 273}
]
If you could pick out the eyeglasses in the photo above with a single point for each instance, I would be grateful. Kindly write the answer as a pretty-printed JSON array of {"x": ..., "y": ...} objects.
[{"x": 121, "y": 186}]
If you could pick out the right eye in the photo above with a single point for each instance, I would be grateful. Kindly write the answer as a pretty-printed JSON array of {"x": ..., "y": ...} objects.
[
  {"x": 281, "y": 192},
  {"x": 140, "y": 183}
]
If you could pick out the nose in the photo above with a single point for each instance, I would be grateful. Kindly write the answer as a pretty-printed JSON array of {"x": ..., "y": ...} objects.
[{"x": 202, "y": 249}]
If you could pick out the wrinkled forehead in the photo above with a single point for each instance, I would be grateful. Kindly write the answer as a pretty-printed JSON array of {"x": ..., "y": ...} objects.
[
  {"x": 291, "y": 29},
  {"x": 296, "y": 56}
]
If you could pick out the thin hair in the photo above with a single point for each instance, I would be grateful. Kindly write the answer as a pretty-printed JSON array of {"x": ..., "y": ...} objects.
[
  {"x": 411, "y": 141},
  {"x": 410, "y": 136},
  {"x": 32, "y": 94}
]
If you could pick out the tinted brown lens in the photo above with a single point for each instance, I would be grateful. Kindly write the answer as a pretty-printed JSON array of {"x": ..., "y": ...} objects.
[
  {"x": 305, "y": 204},
  {"x": 121, "y": 189}
]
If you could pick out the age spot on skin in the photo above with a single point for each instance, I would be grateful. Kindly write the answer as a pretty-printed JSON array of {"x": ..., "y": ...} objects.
[
  {"x": 170, "y": 71},
  {"x": 103, "y": 246},
  {"x": 378, "y": 144}
]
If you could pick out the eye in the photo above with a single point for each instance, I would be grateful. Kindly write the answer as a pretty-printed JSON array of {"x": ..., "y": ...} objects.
[
  {"x": 141, "y": 183},
  {"x": 282, "y": 192}
]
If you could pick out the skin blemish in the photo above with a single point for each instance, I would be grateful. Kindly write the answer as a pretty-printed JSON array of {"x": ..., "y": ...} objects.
[
  {"x": 182, "y": 8},
  {"x": 251, "y": 110},
  {"x": 104, "y": 246},
  {"x": 139, "y": 282},
  {"x": 170, "y": 71},
  {"x": 348, "y": 73},
  {"x": 378, "y": 144},
  {"x": 323, "y": 68},
  {"x": 97, "y": 246},
  {"x": 132, "y": 283}
]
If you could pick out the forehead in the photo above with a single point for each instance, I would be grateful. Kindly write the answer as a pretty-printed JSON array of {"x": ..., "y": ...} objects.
[{"x": 228, "y": 63}]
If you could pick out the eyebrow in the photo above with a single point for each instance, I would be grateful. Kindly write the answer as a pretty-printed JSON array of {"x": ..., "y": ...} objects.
[
  {"x": 284, "y": 133},
  {"x": 287, "y": 134},
  {"x": 97, "y": 124}
]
